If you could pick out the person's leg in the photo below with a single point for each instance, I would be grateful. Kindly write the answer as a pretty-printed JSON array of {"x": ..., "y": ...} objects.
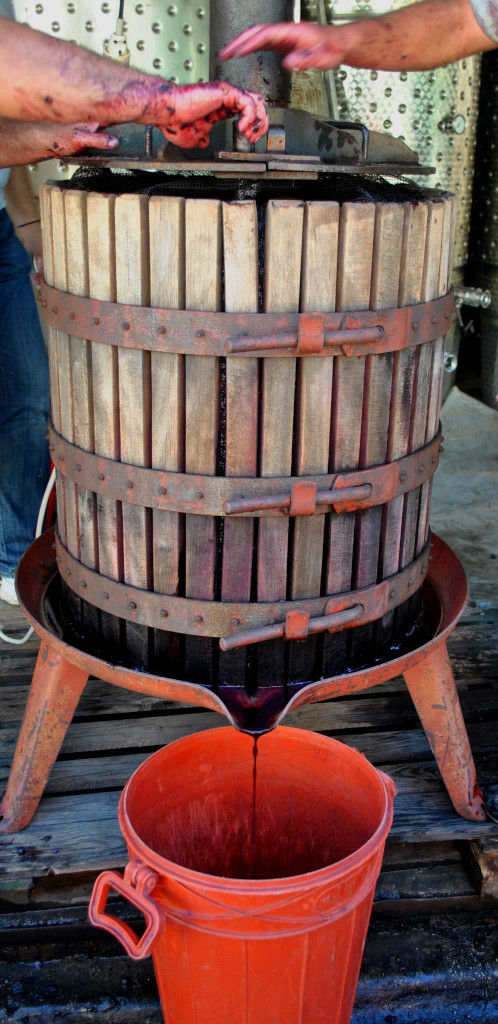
[{"x": 24, "y": 403}]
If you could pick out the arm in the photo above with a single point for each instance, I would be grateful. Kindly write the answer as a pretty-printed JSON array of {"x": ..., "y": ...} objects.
[
  {"x": 418, "y": 37},
  {"x": 45, "y": 79},
  {"x": 23, "y": 210}
]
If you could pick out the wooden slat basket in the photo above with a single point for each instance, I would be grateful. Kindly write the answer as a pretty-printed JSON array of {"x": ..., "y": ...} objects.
[{"x": 205, "y": 406}]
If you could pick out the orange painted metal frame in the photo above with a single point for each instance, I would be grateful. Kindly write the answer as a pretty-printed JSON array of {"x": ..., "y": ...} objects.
[{"x": 62, "y": 672}]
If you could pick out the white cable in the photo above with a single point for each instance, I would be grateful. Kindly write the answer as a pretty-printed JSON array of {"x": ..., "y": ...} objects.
[{"x": 39, "y": 527}]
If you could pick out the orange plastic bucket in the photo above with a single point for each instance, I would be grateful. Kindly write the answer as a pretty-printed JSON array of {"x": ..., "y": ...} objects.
[{"x": 252, "y": 918}]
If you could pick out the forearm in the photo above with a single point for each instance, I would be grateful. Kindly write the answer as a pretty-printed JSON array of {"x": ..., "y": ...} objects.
[
  {"x": 21, "y": 204},
  {"x": 46, "y": 79},
  {"x": 416, "y": 38}
]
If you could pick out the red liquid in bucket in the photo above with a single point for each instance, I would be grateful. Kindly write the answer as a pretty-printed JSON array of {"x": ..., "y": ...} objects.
[{"x": 307, "y": 818}]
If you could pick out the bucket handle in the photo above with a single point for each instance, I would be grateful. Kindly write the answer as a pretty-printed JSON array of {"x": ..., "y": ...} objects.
[{"x": 136, "y": 885}]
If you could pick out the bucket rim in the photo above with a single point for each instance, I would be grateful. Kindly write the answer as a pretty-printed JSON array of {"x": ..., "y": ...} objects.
[{"x": 166, "y": 868}]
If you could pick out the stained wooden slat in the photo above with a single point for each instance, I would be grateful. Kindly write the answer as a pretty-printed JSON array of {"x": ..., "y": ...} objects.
[
  {"x": 283, "y": 234},
  {"x": 203, "y": 240},
  {"x": 240, "y": 246},
  {"x": 403, "y": 390},
  {"x": 105, "y": 393},
  {"x": 132, "y": 286},
  {"x": 314, "y": 406},
  {"x": 167, "y": 290},
  {"x": 376, "y": 407},
  {"x": 52, "y": 334},
  {"x": 354, "y": 271},
  {"x": 81, "y": 367}
]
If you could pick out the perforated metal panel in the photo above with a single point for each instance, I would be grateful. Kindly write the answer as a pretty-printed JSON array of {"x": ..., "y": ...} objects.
[
  {"x": 170, "y": 39},
  {"x": 435, "y": 112}
]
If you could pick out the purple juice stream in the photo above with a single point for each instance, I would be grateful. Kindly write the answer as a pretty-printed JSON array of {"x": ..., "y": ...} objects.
[{"x": 252, "y": 866}]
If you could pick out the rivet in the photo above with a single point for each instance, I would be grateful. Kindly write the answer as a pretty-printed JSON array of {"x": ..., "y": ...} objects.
[
  {"x": 164, "y": 491},
  {"x": 434, "y": 320},
  {"x": 403, "y": 478},
  {"x": 106, "y": 597},
  {"x": 164, "y": 613},
  {"x": 84, "y": 584},
  {"x": 101, "y": 476},
  {"x": 61, "y": 458},
  {"x": 447, "y": 314},
  {"x": 235, "y": 622},
  {"x": 73, "y": 316},
  {"x": 130, "y": 485},
  {"x": 96, "y": 320},
  {"x": 411, "y": 581},
  {"x": 415, "y": 327},
  {"x": 393, "y": 595},
  {"x": 68, "y": 572},
  {"x": 161, "y": 330},
  {"x": 200, "y": 333},
  {"x": 434, "y": 459},
  {"x": 54, "y": 309},
  {"x": 199, "y": 496},
  {"x": 77, "y": 467},
  {"x": 132, "y": 605},
  {"x": 421, "y": 468},
  {"x": 198, "y": 618},
  {"x": 125, "y": 326}
]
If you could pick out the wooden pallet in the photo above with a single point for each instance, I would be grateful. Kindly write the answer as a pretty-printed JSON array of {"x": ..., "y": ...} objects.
[{"x": 75, "y": 832}]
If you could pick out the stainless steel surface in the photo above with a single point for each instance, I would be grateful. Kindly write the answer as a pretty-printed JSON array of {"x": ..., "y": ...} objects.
[
  {"x": 171, "y": 39},
  {"x": 435, "y": 112}
]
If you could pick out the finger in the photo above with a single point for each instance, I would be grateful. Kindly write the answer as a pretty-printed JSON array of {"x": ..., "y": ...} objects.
[
  {"x": 83, "y": 138},
  {"x": 264, "y": 37},
  {"x": 323, "y": 57},
  {"x": 254, "y": 120}
]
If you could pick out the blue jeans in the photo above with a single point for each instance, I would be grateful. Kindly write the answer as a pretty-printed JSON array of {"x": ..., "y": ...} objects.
[{"x": 24, "y": 402}]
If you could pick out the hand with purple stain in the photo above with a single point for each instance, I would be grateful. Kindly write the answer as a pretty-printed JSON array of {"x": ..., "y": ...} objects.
[
  {"x": 192, "y": 110},
  {"x": 417, "y": 37},
  {"x": 23, "y": 142}
]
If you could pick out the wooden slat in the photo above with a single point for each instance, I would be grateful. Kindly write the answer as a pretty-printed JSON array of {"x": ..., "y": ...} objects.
[
  {"x": 314, "y": 406},
  {"x": 132, "y": 286},
  {"x": 81, "y": 368},
  {"x": 283, "y": 235},
  {"x": 240, "y": 245},
  {"x": 402, "y": 397},
  {"x": 55, "y": 402},
  {"x": 102, "y": 285},
  {"x": 167, "y": 290},
  {"x": 203, "y": 255},
  {"x": 354, "y": 272},
  {"x": 376, "y": 408},
  {"x": 434, "y": 403}
]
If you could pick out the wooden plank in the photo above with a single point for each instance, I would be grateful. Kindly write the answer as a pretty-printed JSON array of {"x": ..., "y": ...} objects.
[
  {"x": 167, "y": 291},
  {"x": 240, "y": 246},
  {"x": 354, "y": 272},
  {"x": 313, "y": 417},
  {"x": 105, "y": 388},
  {"x": 203, "y": 263},
  {"x": 402, "y": 398},
  {"x": 81, "y": 368},
  {"x": 132, "y": 286},
  {"x": 48, "y": 273},
  {"x": 386, "y": 265},
  {"x": 283, "y": 234},
  {"x": 434, "y": 402}
]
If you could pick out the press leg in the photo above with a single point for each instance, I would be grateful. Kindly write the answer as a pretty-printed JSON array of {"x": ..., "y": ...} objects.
[
  {"x": 54, "y": 694},
  {"x": 433, "y": 691}
]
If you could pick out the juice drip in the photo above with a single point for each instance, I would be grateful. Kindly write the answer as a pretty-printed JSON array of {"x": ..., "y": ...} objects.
[{"x": 252, "y": 867}]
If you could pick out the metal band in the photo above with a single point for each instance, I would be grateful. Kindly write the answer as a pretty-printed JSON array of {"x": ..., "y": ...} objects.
[
  {"x": 220, "y": 334},
  {"x": 244, "y": 496},
  {"x": 222, "y": 619}
]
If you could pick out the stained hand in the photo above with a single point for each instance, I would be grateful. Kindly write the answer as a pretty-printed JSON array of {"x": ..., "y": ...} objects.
[
  {"x": 305, "y": 45},
  {"x": 192, "y": 110}
]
